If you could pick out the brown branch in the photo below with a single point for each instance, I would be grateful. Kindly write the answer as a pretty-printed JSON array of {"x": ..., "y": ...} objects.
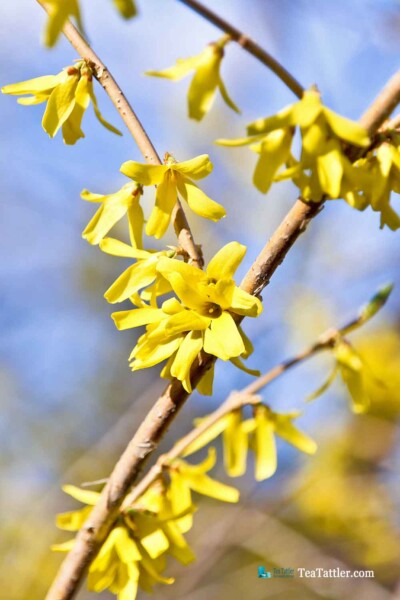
[
  {"x": 132, "y": 122},
  {"x": 157, "y": 421},
  {"x": 247, "y": 44}
]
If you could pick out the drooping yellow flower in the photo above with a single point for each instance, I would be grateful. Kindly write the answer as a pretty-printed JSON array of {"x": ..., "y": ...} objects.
[
  {"x": 383, "y": 166},
  {"x": 142, "y": 275},
  {"x": 323, "y": 169},
  {"x": 59, "y": 12},
  {"x": 257, "y": 434},
  {"x": 67, "y": 94},
  {"x": 62, "y": 10},
  {"x": 200, "y": 319},
  {"x": 171, "y": 179},
  {"x": 113, "y": 208},
  {"x": 206, "y": 81}
]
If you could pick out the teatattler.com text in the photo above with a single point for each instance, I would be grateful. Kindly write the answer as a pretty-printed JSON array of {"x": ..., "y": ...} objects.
[{"x": 339, "y": 573}]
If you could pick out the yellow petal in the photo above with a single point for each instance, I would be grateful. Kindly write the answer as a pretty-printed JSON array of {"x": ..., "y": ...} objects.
[
  {"x": 65, "y": 547},
  {"x": 195, "y": 168},
  {"x": 282, "y": 120},
  {"x": 187, "y": 352},
  {"x": 182, "y": 68},
  {"x": 225, "y": 262},
  {"x": 243, "y": 303},
  {"x": 346, "y": 129},
  {"x": 223, "y": 339},
  {"x": 155, "y": 543},
  {"x": 201, "y": 204},
  {"x": 136, "y": 222},
  {"x": 274, "y": 151},
  {"x": 240, "y": 365},
  {"x": 264, "y": 445},
  {"x": 125, "y": 546},
  {"x": 60, "y": 105},
  {"x": 165, "y": 202},
  {"x": 227, "y": 99},
  {"x": 330, "y": 172},
  {"x": 73, "y": 521},
  {"x": 235, "y": 444},
  {"x": 142, "y": 173},
  {"x": 205, "y": 485},
  {"x": 39, "y": 85},
  {"x": 100, "y": 117},
  {"x": 205, "y": 385},
  {"x": 84, "y": 496},
  {"x": 286, "y": 430},
  {"x": 117, "y": 248},
  {"x": 136, "y": 277},
  {"x": 208, "y": 436},
  {"x": 72, "y": 127},
  {"x": 204, "y": 84},
  {"x": 126, "y": 319}
]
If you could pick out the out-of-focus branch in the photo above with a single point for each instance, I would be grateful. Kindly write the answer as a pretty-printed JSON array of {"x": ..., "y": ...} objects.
[
  {"x": 248, "y": 44},
  {"x": 132, "y": 122}
]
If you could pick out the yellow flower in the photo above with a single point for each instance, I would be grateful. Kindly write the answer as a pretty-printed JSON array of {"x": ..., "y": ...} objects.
[
  {"x": 383, "y": 165},
  {"x": 113, "y": 208},
  {"x": 171, "y": 179},
  {"x": 186, "y": 478},
  {"x": 67, "y": 94},
  {"x": 323, "y": 134},
  {"x": 354, "y": 373},
  {"x": 59, "y": 12},
  {"x": 142, "y": 274},
  {"x": 202, "y": 319},
  {"x": 62, "y": 10},
  {"x": 257, "y": 434},
  {"x": 206, "y": 81}
]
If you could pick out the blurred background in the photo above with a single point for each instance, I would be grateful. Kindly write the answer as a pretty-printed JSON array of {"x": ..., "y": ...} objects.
[{"x": 69, "y": 402}]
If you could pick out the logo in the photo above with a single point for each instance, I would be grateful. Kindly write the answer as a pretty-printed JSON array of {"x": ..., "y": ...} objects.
[
  {"x": 283, "y": 573},
  {"x": 263, "y": 574}
]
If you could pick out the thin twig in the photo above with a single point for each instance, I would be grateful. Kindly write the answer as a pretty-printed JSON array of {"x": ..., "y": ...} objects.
[
  {"x": 132, "y": 122},
  {"x": 155, "y": 424},
  {"x": 248, "y": 44}
]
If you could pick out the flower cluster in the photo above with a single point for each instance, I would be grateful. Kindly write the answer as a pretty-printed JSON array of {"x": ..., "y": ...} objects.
[
  {"x": 202, "y": 317},
  {"x": 257, "y": 434},
  {"x": 323, "y": 168},
  {"x": 61, "y": 10},
  {"x": 134, "y": 553},
  {"x": 67, "y": 94},
  {"x": 206, "y": 81}
]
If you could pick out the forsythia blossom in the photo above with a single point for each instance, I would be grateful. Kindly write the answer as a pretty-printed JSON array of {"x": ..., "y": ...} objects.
[
  {"x": 323, "y": 168},
  {"x": 201, "y": 317},
  {"x": 134, "y": 553},
  {"x": 171, "y": 179},
  {"x": 67, "y": 95},
  {"x": 256, "y": 433},
  {"x": 142, "y": 275},
  {"x": 113, "y": 207},
  {"x": 61, "y": 10},
  {"x": 206, "y": 81}
]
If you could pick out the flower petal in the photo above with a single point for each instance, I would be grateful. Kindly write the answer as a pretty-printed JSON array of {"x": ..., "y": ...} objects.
[
  {"x": 166, "y": 197},
  {"x": 224, "y": 263},
  {"x": 187, "y": 352},
  {"x": 195, "y": 168},
  {"x": 223, "y": 339},
  {"x": 126, "y": 319},
  {"x": 201, "y": 204},
  {"x": 142, "y": 173},
  {"x": 60, "y": 105}
]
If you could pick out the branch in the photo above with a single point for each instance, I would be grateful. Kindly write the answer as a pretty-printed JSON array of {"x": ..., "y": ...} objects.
[
  {"x": 155, "y": 424},
  {"x": 248, "y": 44},
  {"x": 132, "y": 122}
]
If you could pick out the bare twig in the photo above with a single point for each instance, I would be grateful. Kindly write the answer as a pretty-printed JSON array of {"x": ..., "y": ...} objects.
[
  {"x": 157, "y": 421},
  {"x": 248, "y": 44},
  {"x": 132, "y": 122}
]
